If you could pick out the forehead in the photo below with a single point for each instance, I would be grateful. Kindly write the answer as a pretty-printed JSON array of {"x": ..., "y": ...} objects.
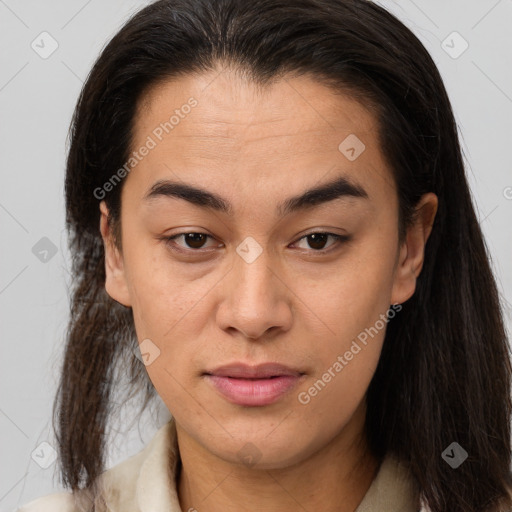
[
  {"x": 220, "y": 129},
  {"x": 227, "y": 102}
]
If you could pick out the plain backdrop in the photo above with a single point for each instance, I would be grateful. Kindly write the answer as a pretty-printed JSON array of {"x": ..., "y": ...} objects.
[{"x": 37, "y": 96}]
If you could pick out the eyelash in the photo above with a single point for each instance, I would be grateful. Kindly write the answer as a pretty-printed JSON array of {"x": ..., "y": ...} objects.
[{"x": 169, "y": 241}]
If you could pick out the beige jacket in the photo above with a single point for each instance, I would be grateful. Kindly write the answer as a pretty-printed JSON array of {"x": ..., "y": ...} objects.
[{"x": 143, "y": 483}]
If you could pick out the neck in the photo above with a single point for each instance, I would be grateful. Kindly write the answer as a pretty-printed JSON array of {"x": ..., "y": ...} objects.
[{"x": 334, "y": 479}]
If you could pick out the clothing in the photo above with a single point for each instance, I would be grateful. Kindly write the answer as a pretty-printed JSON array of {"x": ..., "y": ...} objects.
[{"x": 146, "y": 482}]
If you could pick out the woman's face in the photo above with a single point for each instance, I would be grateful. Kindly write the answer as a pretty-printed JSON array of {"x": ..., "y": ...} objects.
[{"x": 280, "y": 173}]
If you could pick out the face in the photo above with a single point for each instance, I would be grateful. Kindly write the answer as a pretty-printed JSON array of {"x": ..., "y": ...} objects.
[{"x": 285, "y": 257}]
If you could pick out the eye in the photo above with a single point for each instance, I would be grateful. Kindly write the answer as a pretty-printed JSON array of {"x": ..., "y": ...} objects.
[
  {"x": 193, "y": 241},
  {"x": 318, "y": 240}
]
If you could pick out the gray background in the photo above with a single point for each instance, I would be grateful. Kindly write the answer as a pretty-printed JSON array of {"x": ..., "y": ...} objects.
[{"x": 37, "y": 96}]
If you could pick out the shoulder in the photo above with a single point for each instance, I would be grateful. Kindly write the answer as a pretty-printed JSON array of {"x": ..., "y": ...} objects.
[
  {"x": 57, "y": 502},
  {"x": 117, "y": 486},
  {"x": 122, "y": 487}
]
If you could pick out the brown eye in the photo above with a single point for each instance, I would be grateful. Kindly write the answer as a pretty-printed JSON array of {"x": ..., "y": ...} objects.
[
  {"x": 193, "y": 241},
  {"x": 317, "y": 241}
]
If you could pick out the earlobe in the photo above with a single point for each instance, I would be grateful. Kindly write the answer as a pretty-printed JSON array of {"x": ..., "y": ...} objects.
[
  {"x": 412, "y": 252},
  {"x": 115, "y": 278}
]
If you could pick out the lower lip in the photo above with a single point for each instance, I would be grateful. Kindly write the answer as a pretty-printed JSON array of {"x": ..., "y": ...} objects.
[{"x": 253, "y": 392}]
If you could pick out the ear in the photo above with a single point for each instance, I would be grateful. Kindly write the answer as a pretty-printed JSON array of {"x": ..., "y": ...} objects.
[
  {"x": 115, "y": 280},
  {"x": 412, "y": 250}
]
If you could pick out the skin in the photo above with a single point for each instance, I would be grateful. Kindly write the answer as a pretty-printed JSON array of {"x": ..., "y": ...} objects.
[{"x": 255, "y": 148}]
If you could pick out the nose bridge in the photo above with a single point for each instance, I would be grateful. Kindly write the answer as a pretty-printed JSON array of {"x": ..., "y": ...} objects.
[
  {"x": 254, "y": 302},
  {"x": 252, "y": 271}
]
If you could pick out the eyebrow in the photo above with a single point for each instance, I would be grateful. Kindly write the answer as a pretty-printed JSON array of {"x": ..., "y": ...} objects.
[{"x": 339, "y": 188}]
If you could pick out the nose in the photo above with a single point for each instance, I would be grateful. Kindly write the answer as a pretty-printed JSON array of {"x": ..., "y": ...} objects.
[{"x": 255, "y": 298}]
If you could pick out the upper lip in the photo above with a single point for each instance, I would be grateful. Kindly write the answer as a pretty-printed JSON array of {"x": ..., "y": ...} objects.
[{"x": 260, "y": 371}]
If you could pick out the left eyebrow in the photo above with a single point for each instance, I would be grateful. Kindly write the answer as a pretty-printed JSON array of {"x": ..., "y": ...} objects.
[{"x": 339, "y": 188}]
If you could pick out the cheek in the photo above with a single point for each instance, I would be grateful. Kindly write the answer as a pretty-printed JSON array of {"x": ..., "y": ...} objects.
[
  {"x": 355, "y": 291},
  {"x": 160, "y": 288},
  {"x": 344, "y": 366},
  {"x": 354, "y": 303},
  {"x": 330, "y": 401},
  {"x": 172, "y": 307}
]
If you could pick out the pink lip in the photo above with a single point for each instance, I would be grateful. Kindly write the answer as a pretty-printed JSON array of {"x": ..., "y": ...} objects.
[{"x": 257, "y": 385}]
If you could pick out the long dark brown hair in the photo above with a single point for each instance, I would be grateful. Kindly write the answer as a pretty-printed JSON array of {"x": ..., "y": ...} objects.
[{"x": 444, "y": 374}]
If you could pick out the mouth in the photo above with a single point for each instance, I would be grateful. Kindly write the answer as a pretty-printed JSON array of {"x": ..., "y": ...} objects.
[
  {"x": 253, "y": 386},
  {"x": 260, "y": 371}
]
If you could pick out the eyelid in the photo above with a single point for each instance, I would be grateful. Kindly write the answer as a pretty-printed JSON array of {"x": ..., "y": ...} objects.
[
  {"x": 169, "y": 240},
  {"x": 339, "y": 239}
]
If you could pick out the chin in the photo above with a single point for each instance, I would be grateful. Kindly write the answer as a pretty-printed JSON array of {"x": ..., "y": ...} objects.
[{"x": 263, "y": 446}]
